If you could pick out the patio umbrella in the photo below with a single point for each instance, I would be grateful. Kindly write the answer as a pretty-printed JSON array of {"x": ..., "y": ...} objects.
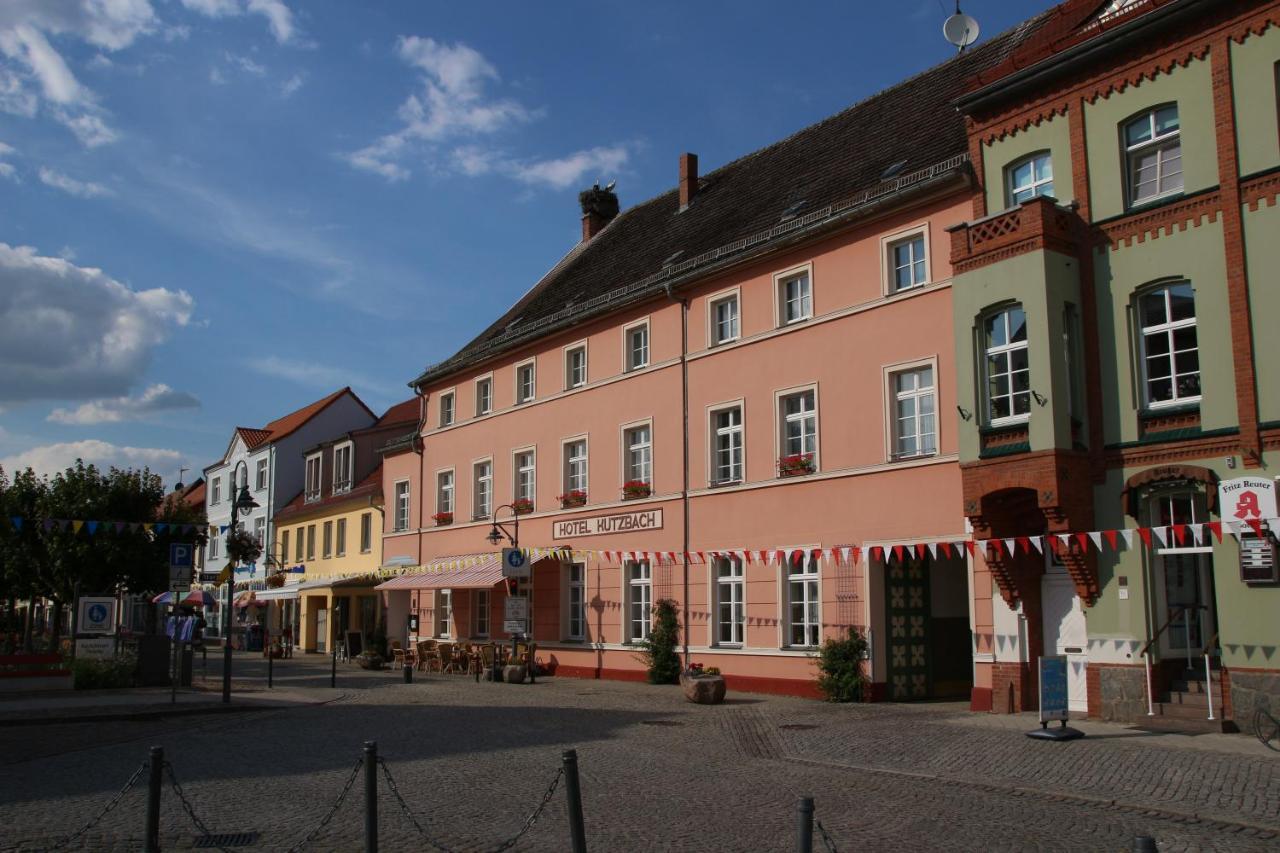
[
  {"x": 163, "y": 598},
  {"x": 195, "y": 598}
]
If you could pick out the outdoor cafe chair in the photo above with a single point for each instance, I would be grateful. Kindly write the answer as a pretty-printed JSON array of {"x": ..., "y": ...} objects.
[
  {"x": 426, "y": 649},
  {"x": 397, "y": 653},
  {"x": 444, "y": 654}
]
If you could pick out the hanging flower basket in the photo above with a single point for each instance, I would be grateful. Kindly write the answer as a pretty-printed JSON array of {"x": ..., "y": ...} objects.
[
  {"x": 576, "y": 497},
  {"x": 442, "y": 518},
  {"x": 522, "y": 506},
  {"x": 633, "y": 489},
  {"x": 275, "y": 581},
  {"x": 795, "y": 465}
]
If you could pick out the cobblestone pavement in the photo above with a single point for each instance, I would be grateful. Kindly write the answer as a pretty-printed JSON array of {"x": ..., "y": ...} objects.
[{"x": 472, "y": 760}]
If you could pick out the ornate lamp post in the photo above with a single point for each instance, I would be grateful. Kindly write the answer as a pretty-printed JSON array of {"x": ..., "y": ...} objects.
[
  {"x": 244, "y": 502},
  {"x": 497, "y": 531}
]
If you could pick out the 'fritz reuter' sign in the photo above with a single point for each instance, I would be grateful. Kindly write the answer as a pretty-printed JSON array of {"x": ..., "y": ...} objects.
[
  {"x": 598, "y": 525},
  {"x": 1247, "y": 499}
]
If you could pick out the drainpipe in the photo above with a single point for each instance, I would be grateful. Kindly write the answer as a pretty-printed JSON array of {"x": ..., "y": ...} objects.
[
  {"x": 684, "y": 435},
  {"x": 420, "y": 448}
]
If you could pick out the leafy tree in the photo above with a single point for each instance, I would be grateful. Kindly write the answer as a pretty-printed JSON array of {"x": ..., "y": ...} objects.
[
  {"x": 840, "y": 673},
  {"x": 659, "y": 652}
]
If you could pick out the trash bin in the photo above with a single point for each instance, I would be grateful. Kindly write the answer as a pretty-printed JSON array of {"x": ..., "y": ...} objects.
[{"x": 186, "y": 658}]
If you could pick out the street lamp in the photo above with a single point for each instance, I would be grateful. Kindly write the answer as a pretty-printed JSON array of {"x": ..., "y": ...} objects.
[
  {"x": 497, "y": 531},
  {"x": 244, "y": 502}
]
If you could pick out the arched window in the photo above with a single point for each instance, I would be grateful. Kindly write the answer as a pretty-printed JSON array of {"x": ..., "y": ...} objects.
[
  {"x": 1153, "y": 154},
  {"x": 1029, "y": 177},
  {"x": 1006, "y": 366},
  {"x": 1170, "y": 354}
]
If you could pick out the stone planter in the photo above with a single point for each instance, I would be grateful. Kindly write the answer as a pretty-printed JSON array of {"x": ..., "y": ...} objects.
[
  {"x": 369, "y": 661},
  {"x": 703, "y": 689},
  {"x": 514, "y": 674}
]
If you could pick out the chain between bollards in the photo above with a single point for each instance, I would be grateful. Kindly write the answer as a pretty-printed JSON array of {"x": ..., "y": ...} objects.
[
  {"x": 155, "y": 779},
  {"x": 573, "y": 793},
  {"x": 371, "y": 796},
  {"x": 804, "y": 829}
]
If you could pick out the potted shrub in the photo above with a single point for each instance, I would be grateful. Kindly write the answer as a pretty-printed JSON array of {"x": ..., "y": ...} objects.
[
  {"x": 660, "y": 651},
  {"x": 442, "y": 518},
  {"x": 703, "y": 685},
  {"x": 633, "y": 489},
  {"x": 369, "y": 660},
  {"x": 841, "y": 677},
  {"x": 795, "y": 464},
  {"x": 572, "y": 498},
  {"x": 522, "y": 506}
]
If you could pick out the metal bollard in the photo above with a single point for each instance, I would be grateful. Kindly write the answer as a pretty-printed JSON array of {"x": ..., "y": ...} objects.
[
  {"x": 333, "y": 673},
  {"x": 156, "y": 766},
  {"x": 1145, "y": 844},
  {"x": 804, "y": 832},
  {"x": 371, "y": 796},
  {"x": 270, "y": 658},
  {"x": 408, "y": 674},
  {"x": 573, "y": 792}
]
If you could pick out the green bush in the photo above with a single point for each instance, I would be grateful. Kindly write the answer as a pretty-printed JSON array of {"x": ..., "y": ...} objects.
[
  {"x": 103, "y": 674},
  {"x": 659, "y": 651},
  {"x": 840, "y": 672}
]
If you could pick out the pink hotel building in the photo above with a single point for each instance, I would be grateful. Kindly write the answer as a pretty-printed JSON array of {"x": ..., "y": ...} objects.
[{"x": 758, "y": 361}]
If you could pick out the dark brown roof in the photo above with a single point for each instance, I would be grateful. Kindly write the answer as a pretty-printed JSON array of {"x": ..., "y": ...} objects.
[
  {"x": 368, "y": 488},
  {"x": 401, "y": 413},
  {"x": 913, "y": 128}
]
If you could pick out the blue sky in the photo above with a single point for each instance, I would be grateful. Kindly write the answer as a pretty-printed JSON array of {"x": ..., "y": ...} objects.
[{"x": 215, "y": 211}]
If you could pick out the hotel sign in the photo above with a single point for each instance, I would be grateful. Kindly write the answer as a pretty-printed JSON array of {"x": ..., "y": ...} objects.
[{"x": 599, "y": 525}]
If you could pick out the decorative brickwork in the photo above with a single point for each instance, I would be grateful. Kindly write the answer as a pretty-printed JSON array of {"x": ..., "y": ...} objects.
[
  {"x": 1152, "y": 224},
  {"x": 1037, "y": 224},
  {"x": 1154, "y": 424},
  {"x": 1262, "y": 190}
]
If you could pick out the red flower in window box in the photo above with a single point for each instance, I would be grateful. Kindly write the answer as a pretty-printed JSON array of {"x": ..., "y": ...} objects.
[
  {"x": 573, "y": 497},
  {"x": 795, "y": 464},
  {"x": 442, "y": 518},
  {"x": 636, "y": 489},
  {"x": 522, "y": 506}
]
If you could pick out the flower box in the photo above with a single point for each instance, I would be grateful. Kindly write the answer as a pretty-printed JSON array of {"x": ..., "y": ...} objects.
[
  {"x": 442, "y": 518},
  {"x": 522, "y": 506},
  {"x": 577, "y": 497},
  {"x": 702, "y": 686},
  {"x": 795, "y": 465},
  {"x": 633, "y": 489}
]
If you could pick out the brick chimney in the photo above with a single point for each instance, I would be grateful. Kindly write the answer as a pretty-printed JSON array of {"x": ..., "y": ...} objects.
[
  {"x": 599, "y": 207},
  {"x": 688, "y": 178}
]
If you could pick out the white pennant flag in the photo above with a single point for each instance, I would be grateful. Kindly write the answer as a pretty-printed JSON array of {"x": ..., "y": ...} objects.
[
  {"x": 1011, "y": 545},
  {"x": 1197, "y": 534},
  {"x": 1162, "y": 536},
  {"x": 1232, "y": 527},
  {"x": 933, "y": 549},
  {"x": 846, "y": 554},
  {"x": 1127, "y": 533},
  {"x": 1038, "y": 542},
  {"x": 1064, "y": 541},
  {"x": 1096, "y": 536}
]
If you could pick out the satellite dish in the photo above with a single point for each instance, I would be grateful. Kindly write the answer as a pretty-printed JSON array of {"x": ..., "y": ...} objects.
[{"x": 960, "y": 29}]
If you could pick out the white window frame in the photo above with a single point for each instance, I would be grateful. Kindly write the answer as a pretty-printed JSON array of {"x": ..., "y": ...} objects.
[
  {"x": 311, "y": 543},
  {"x": 297, "y": 545},
  {"x": 326, "y": 541},
  {"x": 284, "y": 545},
  {"x": 260, "y": 530},
  {"x": 477, "y": 480},
  {"x": 811, "y": 572},
  {"x": 1157, "y": 144},
  {"x": 626, "y": 446},
  {"x": 215, "y": 493},
  {"x": 343, "y": 481},
  {"x": 481, "y": 613},
  {"x": 565, "y": 464},
  {"x": 1039, "y": 186},
  {"x": 532, "y": 365},
  {"x": 447, "y": 413},
  {"x": 261, "y": 475},
  {"x": 449, "y": 490},
  {"x": 737, "y": 602},
  {"x": 484, "y": 405},
  {"x": 313, "y": 490},
  {"x": 1008, "y": 348},
  {"x": 637, "y": 630},
  {"x": 891, "y": 397},
  {"x": 1168, "y": 329},
  {"x": 627, "y": 331},
  {"x": 366, "y": 532},
  {"x": 713, "y": 435},
  {"x": 340, "y": 538},
  {"x": 518, "y": 471},
  {"x": 889, "y": 264},
  {"x": 713, "y": 302},
  {"x": 780, "y": 301},
  {"x": 780, "y": 422},
  {"x": 444, "y": 614},
  {"x": 575, "y": 589},
  {"x": 401, "y": 511},
  {"x": 213, "y": 547},
  {"x": 569, "y": 352}
]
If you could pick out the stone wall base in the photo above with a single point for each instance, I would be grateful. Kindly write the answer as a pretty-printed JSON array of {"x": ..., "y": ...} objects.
[
  {"x": 1117, "y": 692},
  {"x": 1250, "y": 689}
]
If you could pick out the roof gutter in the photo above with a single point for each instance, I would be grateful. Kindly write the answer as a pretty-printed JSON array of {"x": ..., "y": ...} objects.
[{"x": 1086, "y": 52}]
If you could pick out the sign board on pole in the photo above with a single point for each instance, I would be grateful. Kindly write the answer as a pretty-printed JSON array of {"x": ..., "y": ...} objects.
[
  {"x": 1248, "y": 498},
  {"x": 96, "y": 616},
  {"x": 181, "y": 555},
  {"x": 96, "y": 648},
  {"x": 180, "y": 579},
  {"x": 1053, "y": 688},
  {"x": 515, "y": 614},
  {"x": 515, "y": 563}
]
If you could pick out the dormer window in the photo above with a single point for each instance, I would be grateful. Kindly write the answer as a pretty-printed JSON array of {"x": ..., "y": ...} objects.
[
  {"x": 342, "y": 468},
  {"x": 311, "y": 491}
]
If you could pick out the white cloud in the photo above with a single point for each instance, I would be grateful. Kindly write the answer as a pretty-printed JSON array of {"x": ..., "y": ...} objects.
[
  {"x": 80, "y": 189},
  {"x": 245, "y": 64},
  {"x": 315, "y": 375},
  {"x": 90, "y": 129},
  {"x": 278, "y": 15},
  {"x": 155, "y": 399},
  {"x": 557, "y": 173},
  {"x": 28, "y": 46},
  {"x": 292, "y": 85},
  {"x": 109, "y": 24},
  {"x": 72, "y": 332},
  {"x": 215, "y": 77},
  {"x": 52, "y": 458},
  {"x": 8, "y": 171}
]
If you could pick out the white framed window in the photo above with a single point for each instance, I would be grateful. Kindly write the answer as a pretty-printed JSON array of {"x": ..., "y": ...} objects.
[
  {"x": 727, "y": 445},
  {"x": 401, "y": 521},
  {"x": 444, "y": 491},
  {"x": 576, "y": 600},
  {"x": 804, "y": 625},
  {"x": 1028, "y": 178},
  {"x": 366, "y": 533},
  {"x": 730, "y": 598},
  {"x": 297, "y": 546},
  {"x": 260, "y": 530},
  {"x": 907, "y": 260},
  {"x": 575, "y": 365},
  {"x": 261, "y": 482},
  {"x": 311, "y": 542},
  {"x": 1153, "y": 154},
  {"x": 480, "y": 613},
  {"x": 213, "y": 547},
  {"x": 525, "y": 464},
  {"x": 484, "y": 395},
  {"x": 342, "y": 467},
  {"x": 637, "y": 443},
  {"x": 284, "y": 545},
  {"x": 1170, "y": 352},
  {"x": 1007, "y": 366},
  {"x": 526, "y": 381},
  {"x": 575, "y": 466},
  {"x": 215, "y": 492},
  {"x": 913, "y": 411},
  {"x": 798, "y": 426},
  {"x": 312, "y": 478},
  {"x": 444, "y": 613},
  {"x": 482, "y": 485},
  {"x": 639, "y": 580},
  {"x": 327, "y": 552},
  {"x": 723, "y": 321},
  {"x": 794, "y": 295},
  {"x": 342, "y": 538},
  {"x": 635, "y": 341},
  {"x": 447, "y": 410}
]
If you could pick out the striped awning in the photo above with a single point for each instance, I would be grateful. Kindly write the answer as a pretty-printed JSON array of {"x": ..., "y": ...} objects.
[
  {"x": 472, "y": 571},
  {"x": 336, "y": 583}
]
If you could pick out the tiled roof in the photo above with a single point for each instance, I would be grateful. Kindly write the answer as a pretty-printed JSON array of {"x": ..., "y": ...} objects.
[
  {"x": 281, "y": 427},
  {"x": 370, "y": 486},
  {"x": 253, "y": 437},
  {"x": 405, "y": 412},
  {"x": 912, "y": 127}
]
